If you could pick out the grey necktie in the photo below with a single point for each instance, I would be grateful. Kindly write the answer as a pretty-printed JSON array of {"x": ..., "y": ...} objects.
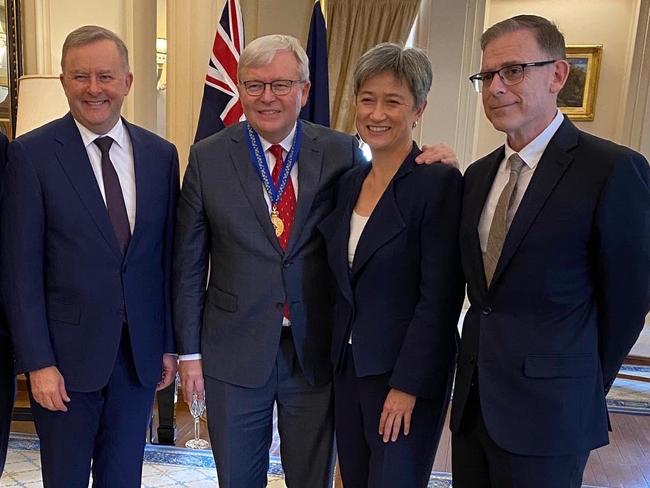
[
  {"x": 499, "y": 226},
  {"x": 113, "y": 192}
]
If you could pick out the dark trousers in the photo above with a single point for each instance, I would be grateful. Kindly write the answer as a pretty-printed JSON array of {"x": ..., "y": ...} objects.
[
  {"x": 7, "y": 392},
  {"x": 240, "y": 422},
  {"x": 365, "y": 460},
  {"x": 106, "y": 428},
  {"x": 477, "y": 462}
]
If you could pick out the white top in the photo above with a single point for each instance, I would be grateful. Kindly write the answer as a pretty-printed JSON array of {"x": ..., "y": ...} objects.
[
  {"x": 121, "y": 154},
  {"x": 531, "y": 154},
  {"x": 357, "y": 224}
]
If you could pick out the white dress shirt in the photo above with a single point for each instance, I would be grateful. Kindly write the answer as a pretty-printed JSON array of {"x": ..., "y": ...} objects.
[
  {"x": 531, "y": 154},
  {"x": 121, "y": 154},
  {"x": 270, "y": 160}
]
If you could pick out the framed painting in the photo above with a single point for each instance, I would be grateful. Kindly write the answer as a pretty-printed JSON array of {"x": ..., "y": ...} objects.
[{"x": 577, "y": 99}]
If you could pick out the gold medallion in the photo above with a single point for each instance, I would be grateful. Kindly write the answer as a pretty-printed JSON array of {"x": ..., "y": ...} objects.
[{"x": 277, "y": 223}]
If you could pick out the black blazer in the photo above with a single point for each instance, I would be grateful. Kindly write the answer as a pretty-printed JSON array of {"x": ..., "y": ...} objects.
[
  {"x": 403, "y": 295},
  {"x": 568, "y": 298},
  {"x": 4, "y": 144}
]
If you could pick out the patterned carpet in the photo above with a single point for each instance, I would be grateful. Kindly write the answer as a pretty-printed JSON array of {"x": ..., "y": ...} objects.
[{"x": 177, "y": 467}]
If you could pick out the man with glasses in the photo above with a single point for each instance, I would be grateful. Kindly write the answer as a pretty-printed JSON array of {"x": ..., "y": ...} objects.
[
  {"x": 260, "y": 334},
  {"x": 554, "y": 241}
]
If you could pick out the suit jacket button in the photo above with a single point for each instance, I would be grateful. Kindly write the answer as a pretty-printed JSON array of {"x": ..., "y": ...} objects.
[
  {"x": 286, "y": 264},
  {"x": 486, "y": 311},
  {"x": 279, "y": 305}
]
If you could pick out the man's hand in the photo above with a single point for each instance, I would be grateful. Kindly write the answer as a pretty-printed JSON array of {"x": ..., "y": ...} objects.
[
  {"x": 398, "y": 408},
  {"x": 48, "y": 388},
  {"x": 192, "y": 379},
  {"x": 440, "y": 153},
  {"x": 169, "y": 368}
]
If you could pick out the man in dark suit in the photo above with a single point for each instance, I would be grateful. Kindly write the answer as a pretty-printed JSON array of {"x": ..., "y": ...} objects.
[
  {"x": 7, "y": 381},
  {"x": 87, "y": 229},
  {"x": 554, "y": 244}
]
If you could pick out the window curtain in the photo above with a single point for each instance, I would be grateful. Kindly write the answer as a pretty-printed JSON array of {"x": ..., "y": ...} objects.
[{"x": 353, "y": 27}]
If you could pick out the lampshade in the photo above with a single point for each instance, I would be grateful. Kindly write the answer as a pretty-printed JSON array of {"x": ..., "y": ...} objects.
[{"x": 40, "y": 100}]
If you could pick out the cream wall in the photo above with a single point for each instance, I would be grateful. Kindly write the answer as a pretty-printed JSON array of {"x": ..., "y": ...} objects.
[
  {"x": 48, "y": 22},
  {"x": 611, "y": 23}
]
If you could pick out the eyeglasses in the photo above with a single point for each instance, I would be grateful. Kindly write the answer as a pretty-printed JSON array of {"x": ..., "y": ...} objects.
[
  {"x": 510, "y": 75},
  {"x": 279, "y": 87}
]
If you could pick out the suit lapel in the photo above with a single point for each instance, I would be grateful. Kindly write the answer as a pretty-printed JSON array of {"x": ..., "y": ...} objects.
[
  {"x": 251, "y": 184},
  {"x": 73, "y": 157},
  {"x": 310, "y": 163},
  {"x": 144, "y": 168},
  {"x": 474, "y": 209},
  {"x": 386, "y": 220},
  {"x": 336, "y": 228},
  {"x": 551, "y": 167}
]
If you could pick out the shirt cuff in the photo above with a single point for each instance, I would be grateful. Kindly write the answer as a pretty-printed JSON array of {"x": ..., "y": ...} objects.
[{"x": 189, "y": 357}]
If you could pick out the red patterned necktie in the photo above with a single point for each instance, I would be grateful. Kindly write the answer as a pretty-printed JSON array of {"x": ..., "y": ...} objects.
[{"x": 286, "y": 206}]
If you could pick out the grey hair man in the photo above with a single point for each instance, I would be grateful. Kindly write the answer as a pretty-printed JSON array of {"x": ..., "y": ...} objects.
[{"x": 554, "y": 243}]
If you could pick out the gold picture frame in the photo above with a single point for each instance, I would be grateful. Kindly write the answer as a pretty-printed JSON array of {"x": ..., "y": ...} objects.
[{"x": 577, "y": 99}]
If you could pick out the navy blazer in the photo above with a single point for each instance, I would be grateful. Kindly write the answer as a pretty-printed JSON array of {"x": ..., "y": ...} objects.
[
  {"x": 4, "y": 144},
  {"x": 224, "y": 228},
  {"x": 568, "y": 298},
  {"x": 67, "y": 288},
  {"x": 402, "y": 297}
]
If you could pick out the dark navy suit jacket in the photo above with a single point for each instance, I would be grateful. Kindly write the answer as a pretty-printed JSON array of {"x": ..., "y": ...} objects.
[
  {"x": 568, "y": 298},
  {"x": 224, "y": 226},
  {"x": 7, "y": 383},
  {"x": 4, "y": 144},
  {"x": 66, "y": 285},
  {"x": 402, "y": 297}
]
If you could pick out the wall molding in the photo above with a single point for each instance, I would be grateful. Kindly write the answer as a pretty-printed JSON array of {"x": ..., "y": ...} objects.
[
  {"x": 635, "y": 131},
  {"x": 449, "y": 31}
]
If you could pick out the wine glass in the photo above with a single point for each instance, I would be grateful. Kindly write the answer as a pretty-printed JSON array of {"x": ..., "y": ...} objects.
[{"x": 197, "y": 408}]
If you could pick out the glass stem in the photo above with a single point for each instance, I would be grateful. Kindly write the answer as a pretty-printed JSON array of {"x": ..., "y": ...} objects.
[{"x": 196, "y": 427}]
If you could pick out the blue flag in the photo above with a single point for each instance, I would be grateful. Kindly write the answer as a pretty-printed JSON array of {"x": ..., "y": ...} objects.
[{"x": 317, "y": 108}]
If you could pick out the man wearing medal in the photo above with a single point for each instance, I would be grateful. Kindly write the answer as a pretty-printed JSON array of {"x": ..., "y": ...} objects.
[{"x": 260, "y": 334}]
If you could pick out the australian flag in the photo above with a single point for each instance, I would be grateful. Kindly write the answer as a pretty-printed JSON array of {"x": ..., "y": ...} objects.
[
  {"x": 317, "y": 108},
  {"x": 221, "y": 106}
]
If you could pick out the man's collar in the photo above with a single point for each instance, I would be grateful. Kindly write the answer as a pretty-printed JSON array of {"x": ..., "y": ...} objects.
[
  {"x": 117, "y": 133},
  {"x": 285, "y": 143},
  {"x": 532, "y": 152}
]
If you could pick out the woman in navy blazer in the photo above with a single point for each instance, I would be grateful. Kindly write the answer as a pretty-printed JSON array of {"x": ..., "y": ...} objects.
[{"x": 393, "y": 249}]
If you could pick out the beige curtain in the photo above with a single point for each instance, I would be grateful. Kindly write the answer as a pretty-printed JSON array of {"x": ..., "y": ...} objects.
[{"x": 354, "y": 26}]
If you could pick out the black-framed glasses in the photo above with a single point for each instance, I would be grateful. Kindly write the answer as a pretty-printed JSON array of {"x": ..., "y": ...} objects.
[
  {"x": 510, "y": 75},
  {"x": 279, "y": 87}
]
